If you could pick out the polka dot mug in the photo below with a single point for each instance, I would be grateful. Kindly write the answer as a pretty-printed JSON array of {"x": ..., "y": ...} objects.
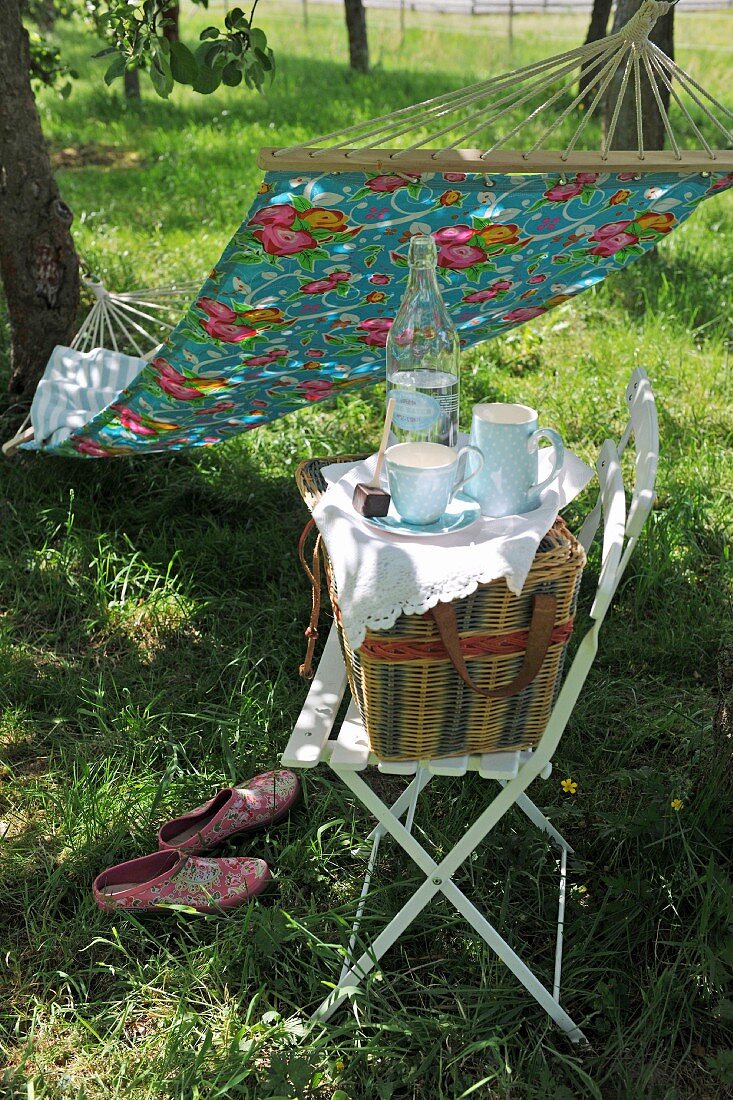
[
  {"x": 424, "y": 477},
  {"x": 507, "y": 482}
]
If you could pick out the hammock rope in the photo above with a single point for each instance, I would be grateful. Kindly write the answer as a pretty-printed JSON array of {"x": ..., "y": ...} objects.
[
  {"x": 440, "y": 127},
  {"x": 299, "y": 305}
]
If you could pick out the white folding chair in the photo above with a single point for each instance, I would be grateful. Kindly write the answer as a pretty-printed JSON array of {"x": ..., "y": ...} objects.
[{"x": 349, "y": 754}]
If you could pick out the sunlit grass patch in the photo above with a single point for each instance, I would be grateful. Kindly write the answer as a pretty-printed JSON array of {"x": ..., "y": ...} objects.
[{"x": 151, "y": 625}]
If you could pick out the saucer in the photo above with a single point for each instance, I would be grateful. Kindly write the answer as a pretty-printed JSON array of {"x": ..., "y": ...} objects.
[{"x": 460, "y": 513}]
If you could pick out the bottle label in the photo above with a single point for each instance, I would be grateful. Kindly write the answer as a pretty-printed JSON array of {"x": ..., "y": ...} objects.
[{"x": 414, "y": 412}]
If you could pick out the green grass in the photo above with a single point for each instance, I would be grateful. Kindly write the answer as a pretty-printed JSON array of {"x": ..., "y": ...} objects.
[{"x": 151, "y": 625}]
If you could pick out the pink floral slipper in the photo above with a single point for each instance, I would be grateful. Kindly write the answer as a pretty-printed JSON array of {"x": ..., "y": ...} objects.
[
  {"x": 171, "y": 878},
  {"x": 264, "y": 800}
]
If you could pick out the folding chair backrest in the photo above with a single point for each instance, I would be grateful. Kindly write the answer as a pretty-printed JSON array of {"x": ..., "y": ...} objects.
[
  {"x": 620, "y": 534},
  {"x": 613, "y": 505},
  {"x": 644, "y": 427}
]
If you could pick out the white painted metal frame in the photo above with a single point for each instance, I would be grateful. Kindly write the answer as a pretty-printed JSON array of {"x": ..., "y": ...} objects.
[{"x": 349, "y": 754}]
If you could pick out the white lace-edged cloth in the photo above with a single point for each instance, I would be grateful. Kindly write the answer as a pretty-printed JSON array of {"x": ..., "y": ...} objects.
[{"x": 379, "y": 576}]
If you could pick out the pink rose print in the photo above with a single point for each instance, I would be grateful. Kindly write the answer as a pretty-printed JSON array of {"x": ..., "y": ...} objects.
[
  {"x": 586, "y": 177},
  {"x": 90, "y": 448},
  {"x": 524, "y": 313},
  {"x": 610, "y": 229},
  {"x": 216, "y": 309},
  {"x": 315, "y": 389},
  {"x": 454, "y": 177},
  {"x": 340, "y": 277},
  {"x": 317, "y": 286},
  {"x": 267, "y": 358},
  {"x": 722, "y": 183},
  {"x": 453, "y": 234},
  {"x": 379, "y": 280},
  {"x": 563, "y": 191},
  {"x": 481, "y": 295},
  {"x": 611, "y": 245},
  {"x": 131, "y": 420},
  {"x": 502, "y": 284},
  {"x": 280, "y": 214},
  {"x": 315, "y": 353},
  {"x": 391, "y": 183},
  {"x": 280, "y": 241},
  {"x": 230, "y": 334},
  {"x": 376, "y": 330},
  {"x": 460, "y": 256},
  {"x": 537, "y": 279},
  {"x": 176, "y": 385},
  {"x": 173, "y": 382}
]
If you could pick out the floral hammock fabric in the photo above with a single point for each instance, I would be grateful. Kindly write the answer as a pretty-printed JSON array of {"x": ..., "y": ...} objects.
[{"x": 299, "y": 306}]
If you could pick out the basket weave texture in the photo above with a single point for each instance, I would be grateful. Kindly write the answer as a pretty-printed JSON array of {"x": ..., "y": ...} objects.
[{"x": 411, "y": 700}]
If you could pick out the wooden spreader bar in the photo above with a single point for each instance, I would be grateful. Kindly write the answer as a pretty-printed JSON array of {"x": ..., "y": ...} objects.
[{"x": 416, "y": 161}]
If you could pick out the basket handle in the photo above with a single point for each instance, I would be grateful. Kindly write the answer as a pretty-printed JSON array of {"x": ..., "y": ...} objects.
[
  {"x": 314, "y": 576},
  {"x": 540, "y": 632}
]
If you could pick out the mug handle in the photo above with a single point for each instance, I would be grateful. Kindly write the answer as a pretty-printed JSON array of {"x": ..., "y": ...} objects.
[
  {"x": 558, "y": 456},
  {"x": 463, "y": 457}
]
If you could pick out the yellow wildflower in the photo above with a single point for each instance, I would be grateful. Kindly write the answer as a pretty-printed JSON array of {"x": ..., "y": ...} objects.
[
  {"x": 677, "y": 804},
  {"x": 569, "y": 786}
]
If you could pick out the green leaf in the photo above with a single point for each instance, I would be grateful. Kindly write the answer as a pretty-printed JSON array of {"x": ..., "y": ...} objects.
[
  {"x": 161, "y": 76},
  {"x": 257, "y": 39},
  {"x": 212, "y": 55},
  {"x": 264, "y": 60},
  {"x": 104, "y": 53},
  {"x": 209, "y": 32},
  {"x": 235, "y": 18},
  {"x": 183, "y": 64},
  {"x": 207, "y": 80},
  {"x": 231, "y": 74},
  {"x": 116, "y": 69}
]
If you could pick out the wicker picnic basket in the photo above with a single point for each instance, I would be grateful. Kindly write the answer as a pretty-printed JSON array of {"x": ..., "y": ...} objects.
[{"x": 478, "y": 675}]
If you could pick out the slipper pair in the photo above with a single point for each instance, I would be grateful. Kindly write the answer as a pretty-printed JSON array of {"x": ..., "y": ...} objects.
[{"x": 175, "y": 875}]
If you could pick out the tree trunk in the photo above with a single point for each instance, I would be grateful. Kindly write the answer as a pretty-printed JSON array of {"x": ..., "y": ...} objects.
[
  {"x": 170, "y": 30},
  {"x": 357, "y": 28},
  {"x": 132, "y": 83},
  {"x": 38, "y": 263},
  {"x": 597, "y": 29},
  {"x": 625, "y": 135}
]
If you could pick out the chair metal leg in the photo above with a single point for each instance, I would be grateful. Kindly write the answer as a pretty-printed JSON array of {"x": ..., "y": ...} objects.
[
  {"x": 407, "y": 800},
  {"x": 439, "y": 878},
  {"x": 535, "y": 815}
]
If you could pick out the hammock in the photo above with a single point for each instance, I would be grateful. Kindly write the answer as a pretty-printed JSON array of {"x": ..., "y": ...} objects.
[{"x": 299, "y": 306}]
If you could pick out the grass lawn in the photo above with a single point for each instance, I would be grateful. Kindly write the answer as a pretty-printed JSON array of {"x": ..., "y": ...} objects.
[{"x": 151, "y": 626}]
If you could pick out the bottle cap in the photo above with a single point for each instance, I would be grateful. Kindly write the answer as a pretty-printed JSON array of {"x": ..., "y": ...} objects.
[{"x": 423, "y": 252}]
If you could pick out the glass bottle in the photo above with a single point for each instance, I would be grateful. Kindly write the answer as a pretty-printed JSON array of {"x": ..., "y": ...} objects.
[{"x": 423, "y": 356}]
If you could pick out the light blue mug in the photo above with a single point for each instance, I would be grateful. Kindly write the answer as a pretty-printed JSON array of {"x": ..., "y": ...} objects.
[
  {"x": 424, "y": 477},
  {"x": 506, "y": 484}
]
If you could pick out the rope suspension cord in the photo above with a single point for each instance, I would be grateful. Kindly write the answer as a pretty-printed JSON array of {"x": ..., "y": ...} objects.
[{"x": 453, "y": 119}]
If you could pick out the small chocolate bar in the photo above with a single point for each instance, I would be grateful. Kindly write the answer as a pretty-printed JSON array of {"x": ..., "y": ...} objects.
[{"x": 370, "y": 501}]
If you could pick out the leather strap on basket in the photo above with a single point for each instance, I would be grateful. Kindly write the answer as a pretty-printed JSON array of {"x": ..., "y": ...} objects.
[
  {"x": 540, "y": 632},
  {"x": 314, "y": 576}
]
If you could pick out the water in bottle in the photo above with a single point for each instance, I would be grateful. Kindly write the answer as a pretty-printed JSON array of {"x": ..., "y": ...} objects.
[{"x": 423, "y": 356}]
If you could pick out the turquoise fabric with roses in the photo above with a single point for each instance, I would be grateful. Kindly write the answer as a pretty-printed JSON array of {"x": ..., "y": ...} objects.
[{"x": 299, "y": 306}]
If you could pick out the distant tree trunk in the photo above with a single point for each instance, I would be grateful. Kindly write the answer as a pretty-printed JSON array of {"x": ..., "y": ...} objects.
[
  {"x": 170, "y": 30},
  {"x": 597, "y": 29},
  {"x": 625, "y": 135},
  {"x": 356, "y": 26},
  {"x": 132, "y": 83},
  {"x": 38, "y": 263}
]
